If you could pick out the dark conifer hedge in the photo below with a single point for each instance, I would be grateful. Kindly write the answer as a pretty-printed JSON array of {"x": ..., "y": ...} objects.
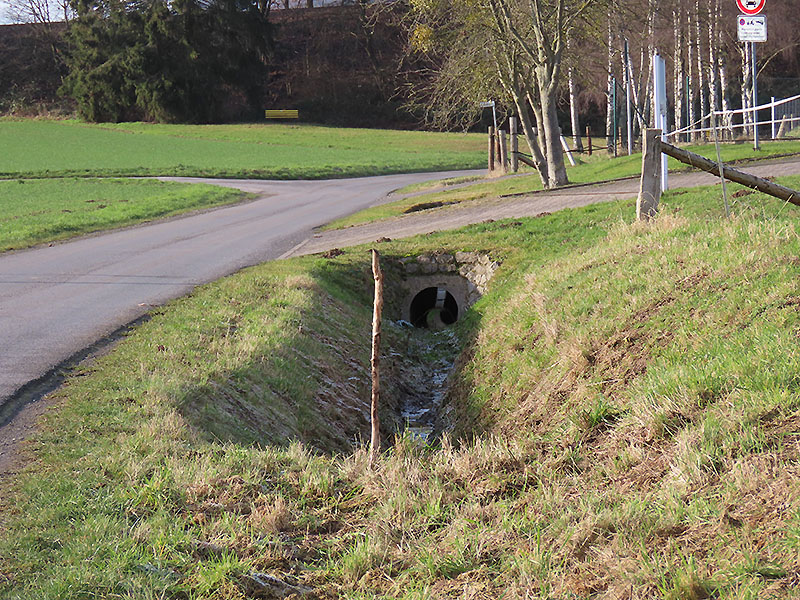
[{"x": 182, "y": 61}]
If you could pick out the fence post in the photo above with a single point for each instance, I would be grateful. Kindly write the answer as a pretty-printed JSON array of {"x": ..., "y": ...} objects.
[
  {"x": 589, "y": 139},
  {"x": 514, "y": 144},
  {"x": 650, "y": 186},
  {"x": 772, "y": 119},
  {"x": 491, "y": 148},
  {"x": 503, "y": 151}
]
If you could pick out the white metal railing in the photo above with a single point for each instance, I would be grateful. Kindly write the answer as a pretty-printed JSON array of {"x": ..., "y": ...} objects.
[{"x": 784, "y": 117}]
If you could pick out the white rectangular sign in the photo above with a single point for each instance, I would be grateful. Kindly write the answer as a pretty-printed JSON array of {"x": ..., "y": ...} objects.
[{"x": 752, "y": 29}]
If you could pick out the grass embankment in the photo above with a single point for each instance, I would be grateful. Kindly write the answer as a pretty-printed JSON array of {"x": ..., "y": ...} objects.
[
  {"x": 273, "y": 151},
  {"x": 628, "y": 411},
  {"x": 35, "y": 211},
  {"x": 590, "y": 169}
]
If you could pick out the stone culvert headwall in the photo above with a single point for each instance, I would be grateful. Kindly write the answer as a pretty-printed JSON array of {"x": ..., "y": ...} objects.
[{"x": 463, "y": 275}]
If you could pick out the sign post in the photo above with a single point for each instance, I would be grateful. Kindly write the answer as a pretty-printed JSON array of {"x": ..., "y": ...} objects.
[
  {"x": 490, "y": 104},
  {"x": 752, "y": 29},
  {"x": 660, "y": 97}
]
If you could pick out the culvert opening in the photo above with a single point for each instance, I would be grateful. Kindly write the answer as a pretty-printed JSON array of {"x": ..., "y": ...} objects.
[{"x": 433, "y": 308}]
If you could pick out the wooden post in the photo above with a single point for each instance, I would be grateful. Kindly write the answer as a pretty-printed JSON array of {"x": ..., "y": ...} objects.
[
  {"x": 589, "y": 140},
  {"x": 650, "y": 187},
  {"x": 514, "y": 144},
  {"x": 503, "y": 151},
  {"x": 491, "y": 149},
  {"x": 375, "y": 440}
]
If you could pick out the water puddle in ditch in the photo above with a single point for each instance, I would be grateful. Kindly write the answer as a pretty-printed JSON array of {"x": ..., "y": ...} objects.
[{"x": 423, "y": 364}]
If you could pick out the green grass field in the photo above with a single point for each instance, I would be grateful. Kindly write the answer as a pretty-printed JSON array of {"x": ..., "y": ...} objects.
[
  {"x": 40, "y": 148},
  {"x": 627, "y": 410},
  {"x": 34, "y": 211}
]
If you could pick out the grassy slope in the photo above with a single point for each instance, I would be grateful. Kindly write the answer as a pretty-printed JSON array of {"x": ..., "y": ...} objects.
[
  {"x": 632, "y": 390},
  {"x": 598, "y": 167},
  {"x": 56, "y": 148},
  {"x": 45, "y": 210}
]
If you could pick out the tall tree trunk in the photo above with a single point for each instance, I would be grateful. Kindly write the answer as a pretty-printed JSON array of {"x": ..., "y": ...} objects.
[
  {"x": 713, "y": 73},
  {"x": 510, "y": 78},
  {"x": 610, "y": 85},
  {"x": 541, "y": 134},
  {"x": 723, "y": 82},
  {"x": 701, "y": 87},
  {"x": 677, "y": 70},
  {"x": 747, "y": 118},
  {"x": 557, "y": 172},
  {"x": 530, "y": 138},
  {"x": 690, "y": 77},
  {"x": 648, "y": 98},
  {"x": 573, "y": 111},
  {"x": 638, "y": 117}
]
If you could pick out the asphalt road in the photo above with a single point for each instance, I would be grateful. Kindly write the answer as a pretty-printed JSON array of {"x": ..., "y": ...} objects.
[{"x": 56, "y": 301}]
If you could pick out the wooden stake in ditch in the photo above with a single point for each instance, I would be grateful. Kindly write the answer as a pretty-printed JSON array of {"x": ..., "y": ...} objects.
[
  {"x": 375, "y": 439},
  {"x": 514, "y": 131},
  {"x": 491, "y": 149},
  {"x": 650, "y": 186}
]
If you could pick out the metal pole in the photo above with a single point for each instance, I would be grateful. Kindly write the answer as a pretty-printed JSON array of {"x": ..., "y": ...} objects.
[
  {"x": 756, "y": 145},
  {"x": 628, "y": 98},
  {"x": 719, "y": 165}
]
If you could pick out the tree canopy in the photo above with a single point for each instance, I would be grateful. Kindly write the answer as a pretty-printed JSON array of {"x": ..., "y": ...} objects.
[{"x": 178, "y": 61}]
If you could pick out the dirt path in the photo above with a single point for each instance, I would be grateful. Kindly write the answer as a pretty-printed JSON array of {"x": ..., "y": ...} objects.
[{"x": 467, "y": 213}]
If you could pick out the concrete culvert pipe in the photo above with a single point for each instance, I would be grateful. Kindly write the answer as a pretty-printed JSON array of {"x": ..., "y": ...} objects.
[{"x": 433, "y": 308}]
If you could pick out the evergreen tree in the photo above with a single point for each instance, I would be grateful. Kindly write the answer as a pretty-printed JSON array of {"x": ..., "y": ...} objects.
[{"x": 167, "y": 62}]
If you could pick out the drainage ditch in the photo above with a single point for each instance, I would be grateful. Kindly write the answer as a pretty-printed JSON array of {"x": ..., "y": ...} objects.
[{"x": 425, "y": 296}]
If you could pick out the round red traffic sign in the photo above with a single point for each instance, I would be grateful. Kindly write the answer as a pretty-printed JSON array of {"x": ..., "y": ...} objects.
[{"x": 751, "y": 7}]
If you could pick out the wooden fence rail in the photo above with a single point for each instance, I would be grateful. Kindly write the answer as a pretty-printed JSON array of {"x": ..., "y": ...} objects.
[{"x": 650, "y": 187}]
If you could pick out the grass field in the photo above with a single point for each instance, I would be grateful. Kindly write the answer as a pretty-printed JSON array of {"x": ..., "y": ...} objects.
[
  {"x": 40, "y": 148},
  {"x": 35, "y": 211},
  {"x": 627, "y": 412},
  {"x": 598, "y": 167}
]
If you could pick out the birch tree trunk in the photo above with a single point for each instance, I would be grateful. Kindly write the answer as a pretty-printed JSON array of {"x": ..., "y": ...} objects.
[
  {"x": 573, "y": 111},
  {"x": 701, "y": 87},
  {"x": 677, "y": 69},
  {"x": 690, "y": 76},
  {"x": 610, "y": 85},
  {"x": 744, "y": 50},
  {"x": 638, "y": 122},
  {"x": 727, "y": 119},
  {"x": 648, "y": 99},
  {"x": 713, "y": 73}
]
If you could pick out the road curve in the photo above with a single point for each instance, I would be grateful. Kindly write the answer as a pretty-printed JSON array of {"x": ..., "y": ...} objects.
[
  {"x": 529, "y": 205},
  {"x": 56, "y": 301}
]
